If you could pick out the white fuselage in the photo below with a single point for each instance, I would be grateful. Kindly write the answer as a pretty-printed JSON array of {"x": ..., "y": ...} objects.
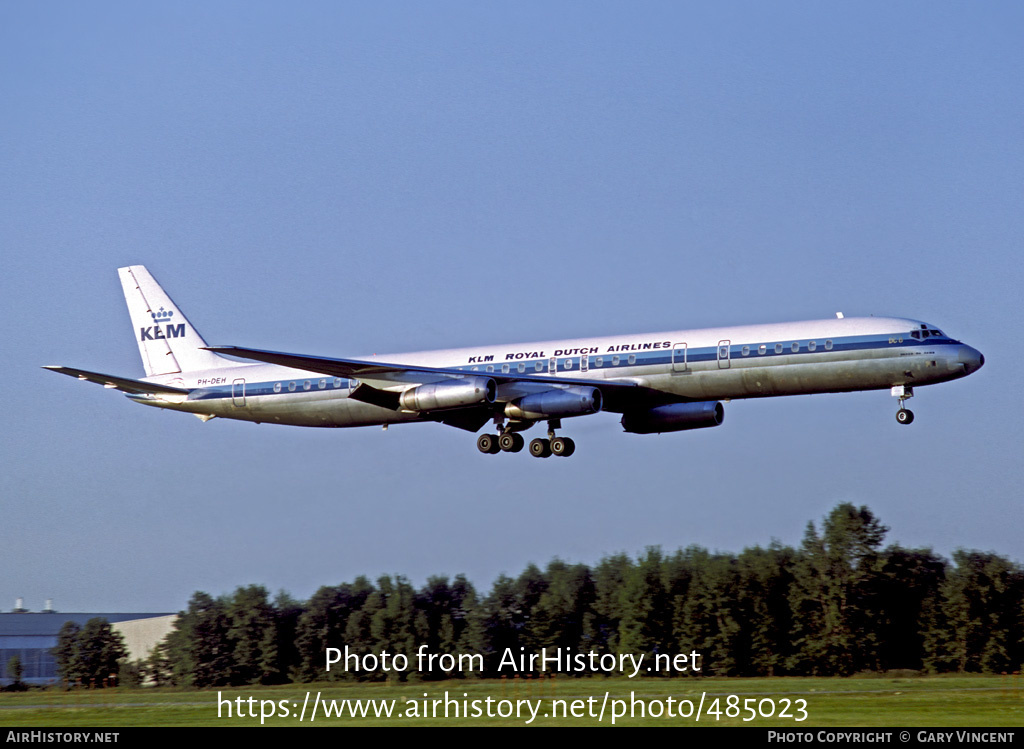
[{"x": 818, "y": 356}]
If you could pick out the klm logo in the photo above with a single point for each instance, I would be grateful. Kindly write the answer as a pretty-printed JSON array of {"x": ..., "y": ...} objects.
[{"x": 157, "y": 333}]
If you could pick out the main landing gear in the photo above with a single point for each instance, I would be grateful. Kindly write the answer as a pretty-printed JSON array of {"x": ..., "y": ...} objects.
[
  {"x": 512, "y": 442},
  {"x": 545, "y": 448},
  {"x": 508, "y": 442},
  {"x": 904, "y": 415}
]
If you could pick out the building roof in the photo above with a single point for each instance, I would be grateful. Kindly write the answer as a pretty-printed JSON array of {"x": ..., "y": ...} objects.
[{"x": 49, "y": 624}]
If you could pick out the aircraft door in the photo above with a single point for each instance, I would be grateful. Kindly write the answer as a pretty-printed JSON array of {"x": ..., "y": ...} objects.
[
  {"x": 679, "y": 357},
  {"x": 723, "y": 354},
  {"x": 238, "y": 392}
]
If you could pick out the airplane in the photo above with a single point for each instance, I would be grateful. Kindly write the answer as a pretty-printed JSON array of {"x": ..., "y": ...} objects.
[{"x": 659, "y": 382}]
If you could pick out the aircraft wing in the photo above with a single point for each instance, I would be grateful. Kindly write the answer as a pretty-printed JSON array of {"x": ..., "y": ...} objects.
[
  {"x": 124, "y": 384},
  {"x": 379, "y": 380}
]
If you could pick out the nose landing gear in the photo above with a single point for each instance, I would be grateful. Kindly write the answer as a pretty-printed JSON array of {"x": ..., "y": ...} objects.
[{"x": 904, "y": 415}]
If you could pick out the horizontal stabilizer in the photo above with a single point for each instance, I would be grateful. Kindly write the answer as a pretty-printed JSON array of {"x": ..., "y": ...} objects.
[{"x": 125, "y": 385}]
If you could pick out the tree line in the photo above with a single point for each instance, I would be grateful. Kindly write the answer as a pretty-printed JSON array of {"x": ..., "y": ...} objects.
[{"x": 838, "y": 604}]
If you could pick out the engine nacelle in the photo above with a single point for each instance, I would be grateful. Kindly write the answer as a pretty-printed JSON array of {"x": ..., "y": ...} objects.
[
  {"x": 574, "y": 401},
  {"x": 674, "y": 417},
  {"x": 437, "y": 396}
]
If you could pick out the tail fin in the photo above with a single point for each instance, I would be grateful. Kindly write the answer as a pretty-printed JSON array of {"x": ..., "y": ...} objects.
[{"x": 167, "y": 340}]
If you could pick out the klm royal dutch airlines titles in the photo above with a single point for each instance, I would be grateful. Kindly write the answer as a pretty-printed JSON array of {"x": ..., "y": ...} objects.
[{"x": 660, "y": 382}]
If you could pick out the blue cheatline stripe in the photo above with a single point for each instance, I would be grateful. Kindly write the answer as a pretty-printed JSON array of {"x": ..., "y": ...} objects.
[{"x": 643, "y": 359}]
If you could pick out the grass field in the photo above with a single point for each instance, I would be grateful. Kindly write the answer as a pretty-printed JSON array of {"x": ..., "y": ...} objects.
[{"x": 983, "y": 701}]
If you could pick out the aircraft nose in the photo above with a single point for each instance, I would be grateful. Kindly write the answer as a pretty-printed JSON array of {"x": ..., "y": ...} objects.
[{"x": 971, "y": 358}]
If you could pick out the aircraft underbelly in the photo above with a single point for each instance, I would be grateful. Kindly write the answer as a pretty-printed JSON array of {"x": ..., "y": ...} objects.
[
  {"x": 312, "y": 410},
  {"x": 782, "y": 377},
  {"x": 335, "y": 412}
]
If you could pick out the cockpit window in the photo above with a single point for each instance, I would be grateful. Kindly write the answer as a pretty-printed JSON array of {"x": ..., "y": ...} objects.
[{"x": 915, "y": 334}]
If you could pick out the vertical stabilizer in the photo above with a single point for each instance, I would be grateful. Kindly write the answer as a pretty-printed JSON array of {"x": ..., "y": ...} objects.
[{"x": 167, "y": 341}]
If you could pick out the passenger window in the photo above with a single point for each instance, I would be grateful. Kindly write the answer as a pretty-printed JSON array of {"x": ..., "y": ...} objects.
[
  {"x": 778, "y": 348},
  {"x": 615, "y": 361},
  {"x": 632, "y": 358},
  {"x": 322, "y": 384},
  {"x": 811, "y": 345},
  {"x": 337, "y": 382},
  {"x": 291, "y": 387},
  {"x": 796, "y": 348},
  {"x": 745, "y": 350},
  {"x": 504, "y": 368},
  {"x": 599, "y": 361},
  {"x": 828, "y": 345},
  {"x": 277, "y": 387},
  {"x": 762, "y": 349},
  {"x": 522, "y": 367},
  {"x": 568, "y": 363},
  {"x": 307, "y": 385},
  {"x": 490, "y": 367}
]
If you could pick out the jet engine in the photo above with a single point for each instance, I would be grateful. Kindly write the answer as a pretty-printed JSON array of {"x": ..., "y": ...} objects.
[
  {"x": 574, "y": 401},
  {"x": 436, "y": 396},
  {"x": 674, "y": 417}
]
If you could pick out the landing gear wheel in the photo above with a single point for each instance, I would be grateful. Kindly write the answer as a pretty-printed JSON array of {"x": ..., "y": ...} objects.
[
  {"x": 540, "y": 448},
  {"x": 487, "y": 443},
  {"x": 511, "y": 442},
  {"x": 904, "y": 416},
  {"x": 563, "y": 447}
]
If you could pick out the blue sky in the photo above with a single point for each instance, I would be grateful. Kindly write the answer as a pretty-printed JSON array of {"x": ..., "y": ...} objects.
[{"x": 345, "y": 179}]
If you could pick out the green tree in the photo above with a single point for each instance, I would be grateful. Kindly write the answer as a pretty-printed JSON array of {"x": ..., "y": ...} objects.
[
  {"x": 252, "y": 629},
  {"x": 441, "y": 620},
  {"x": 287, "y": 611},
  {"x": 89, "y": 655},
  {"x": 905, "y": 595},
  {"x": 157, "y": 667},
  {"x": 199, "y": 648},
  {"x": 835, "y": 578},
  {"x": 559, "y": 618},
  {"x": 391, "y": 623},
  {"x": 500, "y": 619},
  {"x": 601, "y": 622},
  {"x": 710, "y": 616},
  {"x": 15, "y": 671},
  {"x": 66, "y": 653},
  {"x": 983, "y": 597},
  {"x": 645, "y": 626},
  {"x": 324, "y": 624}
]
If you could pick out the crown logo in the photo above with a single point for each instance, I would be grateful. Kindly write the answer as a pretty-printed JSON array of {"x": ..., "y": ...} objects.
[{"x": 161, "y": 316}]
